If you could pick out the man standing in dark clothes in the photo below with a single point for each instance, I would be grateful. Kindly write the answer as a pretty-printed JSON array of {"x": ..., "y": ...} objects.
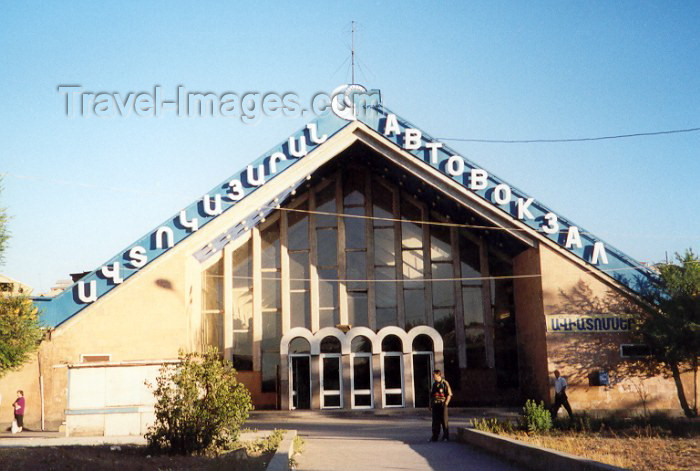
[
  {"x": 440, "y": 396},
  {"x": 560, "y": 397}
]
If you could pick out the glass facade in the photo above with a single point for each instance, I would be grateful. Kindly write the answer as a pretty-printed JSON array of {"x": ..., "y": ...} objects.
[{"x": 358, "y": 240}]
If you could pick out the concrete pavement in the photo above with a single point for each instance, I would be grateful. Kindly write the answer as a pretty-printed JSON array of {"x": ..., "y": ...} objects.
[{"x": 377, "y": 442}]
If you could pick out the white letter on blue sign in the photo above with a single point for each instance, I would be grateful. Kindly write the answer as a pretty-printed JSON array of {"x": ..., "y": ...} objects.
[
  {"x": 391, "y": 127},
  {"x": 208, "y": 209},
  {"x": 599, "y": 254},
  {"x": 455, "y": 166},
  {"x": 552, "y": 226},
  {"x": 573, "y": 238},
  {"x": 501, "y": 194},
  {"x": 300, "y": 150},
  {"x": 412, "y": 139},
  {"x": 192, "y": 225},
  {"x": 523, "y": 212},
  {"x": 236, "y": 190},
  {"x": 433, "y": 147},
  {"x": 113, "y": 273},
  {"x": 273, "y": 160},
  {"x": 137, "y": 256},
  {"x": 479, "y": 179},
  {"x": 313, "y": 134},
  {"x": 169, "y": 237},
  {"x": 260, "y": 179},
  {"x": 87, "y": 298}
]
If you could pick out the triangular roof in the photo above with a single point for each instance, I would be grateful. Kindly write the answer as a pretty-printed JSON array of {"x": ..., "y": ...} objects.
[{"x": 393, "y": 137}]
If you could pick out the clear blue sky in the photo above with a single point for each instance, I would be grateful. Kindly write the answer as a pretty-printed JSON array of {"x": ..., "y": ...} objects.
[{"x": 501, "y": 70}]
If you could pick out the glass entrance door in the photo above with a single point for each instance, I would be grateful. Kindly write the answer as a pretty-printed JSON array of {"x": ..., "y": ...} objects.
[
  {"x": 422, "y": 378},
  {"x": 362, "y": 381},
  {"x": 392, "y": 379},
  {"x": 300, "y": 381},
  {"x": 331, "y": 382}
]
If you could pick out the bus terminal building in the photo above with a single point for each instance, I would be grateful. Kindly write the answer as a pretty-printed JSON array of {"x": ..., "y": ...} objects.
[{"x": 337, "y": 271}]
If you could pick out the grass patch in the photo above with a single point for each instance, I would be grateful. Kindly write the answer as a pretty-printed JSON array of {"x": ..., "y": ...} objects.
[{"x": 654, "y": 442}]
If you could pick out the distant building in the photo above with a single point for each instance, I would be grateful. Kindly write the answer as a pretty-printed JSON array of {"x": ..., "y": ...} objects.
[
  {"x": 10, "y": 286},
  {"x": 336, "y": 272}
]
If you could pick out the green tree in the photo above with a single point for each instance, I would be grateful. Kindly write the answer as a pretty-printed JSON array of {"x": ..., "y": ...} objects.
[
  {"x": 20, "y": 331},
  {"x": 672, "y": 331},
  {"x": 199, "y": 406},
  {"x": 4, "y": 232}
]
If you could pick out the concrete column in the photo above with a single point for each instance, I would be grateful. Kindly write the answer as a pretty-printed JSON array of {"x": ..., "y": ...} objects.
[
  {"x": 284, "y": 383},
  {"x": 377, "y": 380},
  {"x": 315, "y": 382},
  {"x": 408, "y": 380},
  {"x": 347, "y": 383}
]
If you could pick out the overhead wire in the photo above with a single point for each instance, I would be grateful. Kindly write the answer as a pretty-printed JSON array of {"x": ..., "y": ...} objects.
[{"x": 575, "y": 139}]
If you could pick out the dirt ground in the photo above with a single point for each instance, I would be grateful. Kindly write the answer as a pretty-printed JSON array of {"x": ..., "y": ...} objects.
[
  {"x": 637, "y": 453},
  {"x": 127, "y": 458}
]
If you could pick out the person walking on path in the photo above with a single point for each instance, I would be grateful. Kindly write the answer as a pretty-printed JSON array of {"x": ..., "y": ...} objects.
[
  {"x": 19, "y": 409},
  {"x": 560, "y": 397},
  {"x": 440, "y": 396}
]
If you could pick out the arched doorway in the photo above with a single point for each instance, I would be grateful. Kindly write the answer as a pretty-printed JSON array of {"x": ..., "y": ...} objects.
[
  {"x": 392, "y": 372},
  {"x": 361, "y": 373},
  {"x": 300, "y": 373},
  {"x": 331, "y": 367},
  {"x": 423, "y": 365}
]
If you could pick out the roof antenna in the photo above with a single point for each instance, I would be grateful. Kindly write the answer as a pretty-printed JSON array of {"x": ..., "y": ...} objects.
[{"x": 353, "y": 52}]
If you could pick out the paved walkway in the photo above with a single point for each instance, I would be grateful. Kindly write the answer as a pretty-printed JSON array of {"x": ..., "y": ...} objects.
[{"x": 377, "y": 442}]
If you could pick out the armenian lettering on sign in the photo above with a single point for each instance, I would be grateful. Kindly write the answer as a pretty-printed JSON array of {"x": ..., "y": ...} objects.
[{"x": 569, "y": 323}]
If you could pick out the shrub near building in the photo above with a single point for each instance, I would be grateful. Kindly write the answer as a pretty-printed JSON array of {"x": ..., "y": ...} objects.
[{"x": 200, "y": 406}]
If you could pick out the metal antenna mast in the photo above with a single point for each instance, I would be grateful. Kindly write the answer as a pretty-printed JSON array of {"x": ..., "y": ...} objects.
[{"x": 353, "y": 52}]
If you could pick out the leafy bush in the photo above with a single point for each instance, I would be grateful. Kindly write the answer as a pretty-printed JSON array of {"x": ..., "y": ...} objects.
[
  {"x": 20, "y": 331},
  {"x": 200, "y": 406},
  {"x": 536, "y": 417}
]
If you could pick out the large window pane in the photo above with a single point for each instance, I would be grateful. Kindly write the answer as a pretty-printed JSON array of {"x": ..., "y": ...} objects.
[
  {"x": 270, "y": 291},
  {"x": 243, "y": 350},
  {"x": 469, "y": 260},
  {"x": 356, "y": 270},
  {"x": 382, "y": 205},
  {"x": 385, "y": 291},
  {"x": 392, "y": 372},
  {"x": 440, "y": 245},
  {"x": 357, "y": 309},
  {"x": 443, "y": 291},
  {"x": 362, "y": 372},
  {"x": 328, "y": 317},
  {"x": 353, "y": 187},
  {"x": 298, "y": 232},
  {"x": 355, "y": 235},
  {"x": 413, "y": 265},
  {"x": 473, "y": 305},
  {"x": 411, "y": 233},
  {"x": 300, "y": 309},
  {"x": 327, "y": 243},
  {"x": 384, "y": 248},
  {"x": 331, "y": 374},
  {"x": 414, "y": 301},
  {"x": 328, "y": 288},
  {"x": 299, "y": 270},
  {"x": 270, "y": 362},
  {"x": 325, "y": 203},
  {"x": 271, "y": 331},
  {"x": 386, "y": 316},
  {"x": 270, "y": 246},
  {"x": 214, "y": 287}
]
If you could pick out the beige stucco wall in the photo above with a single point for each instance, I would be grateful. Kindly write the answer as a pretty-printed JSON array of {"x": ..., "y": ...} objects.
[
  {"x": 144, "y": 319},
  {"x": 568, "y": 288}
]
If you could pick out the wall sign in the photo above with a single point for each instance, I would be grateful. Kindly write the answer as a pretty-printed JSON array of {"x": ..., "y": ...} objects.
[{"x": 577, "y": 323}]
